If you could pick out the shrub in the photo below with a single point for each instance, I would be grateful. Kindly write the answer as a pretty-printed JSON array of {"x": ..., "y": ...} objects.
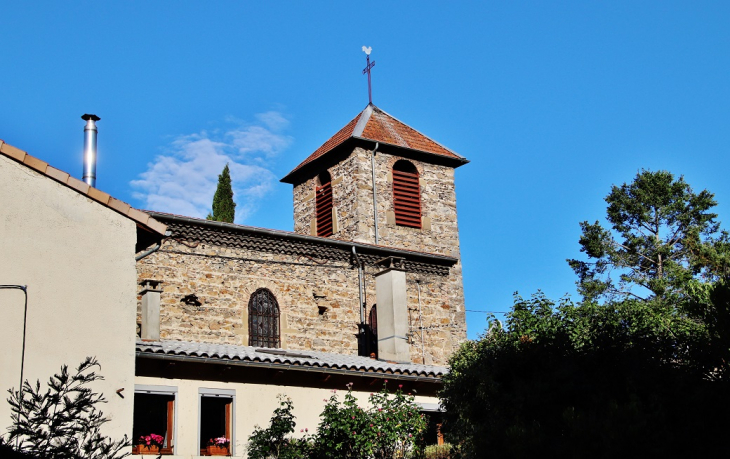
[
  {"x": 272, "y": 442},
  {"x": 63, "y": 422},
  {"x": 438, "y": 451},
  {"x": 391, "y": 427}
]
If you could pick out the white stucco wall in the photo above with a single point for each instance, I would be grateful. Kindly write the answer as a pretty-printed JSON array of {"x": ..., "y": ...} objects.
[
  {"x": 254, "y": 404},
  {"x": 77, "y": 259}
]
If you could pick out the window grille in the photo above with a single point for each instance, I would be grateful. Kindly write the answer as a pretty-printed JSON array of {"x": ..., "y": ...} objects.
[
  {"x": 323, "y": 197},
  {"x": 406, "y": 195},
  {"x": 263, "y": 319}
]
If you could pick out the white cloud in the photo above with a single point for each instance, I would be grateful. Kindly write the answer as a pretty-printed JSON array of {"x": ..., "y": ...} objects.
[{"x": 183, "y": 179}]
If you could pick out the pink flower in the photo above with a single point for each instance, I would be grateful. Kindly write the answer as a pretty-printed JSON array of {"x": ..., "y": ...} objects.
[
  {"x": 306, "y": 430},
  {"x": 353, "y": 417},
  {"x": 400, "y": 386}
]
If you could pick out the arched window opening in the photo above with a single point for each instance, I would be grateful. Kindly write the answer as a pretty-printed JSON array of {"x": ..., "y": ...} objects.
[
  {"x": 372, "y": 338},
  {"x": 406, "y": 194},
  {"x": 323, "y": 197},
  {"x": 263, "y": 319}
]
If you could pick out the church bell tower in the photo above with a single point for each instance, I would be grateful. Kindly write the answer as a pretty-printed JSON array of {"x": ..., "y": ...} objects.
[{"x": 379, "y": 181}]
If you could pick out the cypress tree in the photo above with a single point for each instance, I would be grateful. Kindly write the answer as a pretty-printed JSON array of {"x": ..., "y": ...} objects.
[{"x": 224, "y": 209}]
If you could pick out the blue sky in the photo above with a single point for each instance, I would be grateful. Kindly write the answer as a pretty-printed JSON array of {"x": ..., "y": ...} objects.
[{"x": 553, "y": 102}]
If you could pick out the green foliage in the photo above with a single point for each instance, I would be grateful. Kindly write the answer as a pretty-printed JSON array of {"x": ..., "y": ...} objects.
[
  {"x": 275, "y": 442},
  {"x": 588, "y": 380},
  {"x": 664, "y": 237},
  {"x": 438, "y": 451},
  {"x": 391, "y": 427},
  {"x": 224, "y": 209},
  {"x": 62, "y": 422},
  {"x": 632, "y": 376}
]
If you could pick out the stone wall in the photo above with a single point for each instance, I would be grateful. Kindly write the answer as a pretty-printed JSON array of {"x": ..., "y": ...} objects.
[
  {"x": 318, "y": 299},
  {"x": 353, "y": 203}
]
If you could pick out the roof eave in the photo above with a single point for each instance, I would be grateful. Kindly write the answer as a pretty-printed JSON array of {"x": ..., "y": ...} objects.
[
  {"x": 431, "y": 258},
  {"x": 289, "y": 366},
  {"x": 311, "y": 168}
]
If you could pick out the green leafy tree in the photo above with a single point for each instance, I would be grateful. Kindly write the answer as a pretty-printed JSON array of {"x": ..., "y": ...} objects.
[
  {"x": 622, "y": 379},
  {"x": 662, "y": 237},
  {"x": 224, "y": 209},
  {"x": 63, "y": 422}
]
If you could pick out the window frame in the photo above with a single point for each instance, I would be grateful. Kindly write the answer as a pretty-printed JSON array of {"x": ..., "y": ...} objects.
[
  {"x": 153, "y": 389},
  {"x": 231, "y": 418},
  {"x": 277, "y": 319},
  {"x": 406, "y": 187},
  {"x": 324, "y": 205}
]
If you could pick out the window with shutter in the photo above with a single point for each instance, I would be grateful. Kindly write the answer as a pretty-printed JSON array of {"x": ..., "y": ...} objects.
[
  {"x": 406, "y": 195},
  {"x": 263, "y": 319},
  {"x": 323, "y": 197}
]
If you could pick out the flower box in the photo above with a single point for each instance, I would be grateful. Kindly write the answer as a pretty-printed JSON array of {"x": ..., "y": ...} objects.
[
  {"x": 148, "y": 449},
  {"x": 214, "y": 450}
]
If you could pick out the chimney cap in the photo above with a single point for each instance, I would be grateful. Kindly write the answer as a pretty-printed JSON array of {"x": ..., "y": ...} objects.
[{"x": 88, "y": 117}]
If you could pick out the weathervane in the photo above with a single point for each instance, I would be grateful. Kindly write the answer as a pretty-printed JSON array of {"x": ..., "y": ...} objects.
[{"x": 368, "y": 50}]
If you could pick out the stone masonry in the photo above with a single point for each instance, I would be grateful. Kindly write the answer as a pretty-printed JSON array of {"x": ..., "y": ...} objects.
[{"x": 317, "y": 296}]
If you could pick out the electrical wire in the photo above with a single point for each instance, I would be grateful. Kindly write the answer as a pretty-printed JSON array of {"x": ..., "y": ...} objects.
[
  {"x": 24, "y": 288},
  {"x": 488, "y": 312}
]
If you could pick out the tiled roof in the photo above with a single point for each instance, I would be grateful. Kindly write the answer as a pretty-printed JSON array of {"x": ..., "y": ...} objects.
[
  {"x": 376, "y": 125},
  {"x": 82, "y": 187},
  {"x": 285, "y": 242},
  {"x": 302, "y": 359}
]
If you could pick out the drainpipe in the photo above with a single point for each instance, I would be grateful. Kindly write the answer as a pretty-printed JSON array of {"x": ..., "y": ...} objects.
[
  {"x": 359, "y": 285},
  {"x": 420, "y": 321},
  {"x": 375, "y": 202}
]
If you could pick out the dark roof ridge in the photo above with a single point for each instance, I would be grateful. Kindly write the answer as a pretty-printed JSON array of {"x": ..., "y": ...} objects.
[{"x": 385, "y": 250}]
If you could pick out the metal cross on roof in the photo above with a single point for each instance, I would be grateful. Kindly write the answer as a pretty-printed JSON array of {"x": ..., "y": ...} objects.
[{"x": 368, "y": 50}]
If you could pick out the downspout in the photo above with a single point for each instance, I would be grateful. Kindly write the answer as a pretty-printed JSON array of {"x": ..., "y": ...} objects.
[
  {"x": 154, "y": 249},
  {"x": 420, "y": 321},
  {"x": 148, "y": 252},
  {"x": 359, "y": 285},
  {"x": 375, "y": 202}
]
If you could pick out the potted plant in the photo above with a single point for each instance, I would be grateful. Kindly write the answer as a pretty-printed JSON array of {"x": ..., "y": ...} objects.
[
  {"x": 150, "y": 444},
  {"x": 219, "y": 446}
]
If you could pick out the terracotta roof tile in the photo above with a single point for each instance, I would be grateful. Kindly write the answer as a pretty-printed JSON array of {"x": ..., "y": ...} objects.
[
  {"x": 82, "y": 187},
  {"x": 342, "y": 135},
  {"x": 98, "y": 195},
  {"x": 35, "y": 163},
  {"x": 9, "y": 150},
  {"x": 376, "y": 125},
  {"x": 56, "y": 174}
]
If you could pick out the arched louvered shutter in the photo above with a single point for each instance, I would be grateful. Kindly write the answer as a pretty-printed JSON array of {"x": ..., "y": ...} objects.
[
  {"x": 263, "y": 319},
  {"x": 323, "y": 198},
  {"x": 406, "y": 195}
]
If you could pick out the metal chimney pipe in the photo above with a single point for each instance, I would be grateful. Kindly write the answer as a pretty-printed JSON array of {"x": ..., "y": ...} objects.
[{"x": 90, "y": 133}]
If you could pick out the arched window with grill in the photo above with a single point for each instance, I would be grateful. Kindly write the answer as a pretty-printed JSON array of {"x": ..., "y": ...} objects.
[
  {"x": 406, "y": 194},
  {"x": 323, "y": 198},
  {"x": 263, "y": 319}
]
